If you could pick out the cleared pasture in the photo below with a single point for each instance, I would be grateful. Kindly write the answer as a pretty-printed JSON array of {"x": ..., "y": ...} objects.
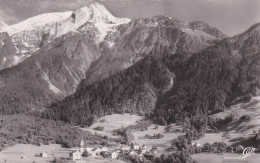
[{"x": 112, "y": 122}]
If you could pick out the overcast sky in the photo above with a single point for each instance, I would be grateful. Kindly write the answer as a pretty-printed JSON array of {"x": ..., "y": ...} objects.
[{"x": 230, "y": 16}]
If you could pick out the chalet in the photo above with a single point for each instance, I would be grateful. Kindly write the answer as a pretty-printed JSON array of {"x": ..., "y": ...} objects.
[
  {"x": 125, "y": 148},
  {"x": 75, "y": 156},
  {"x": 104, "y": 149},
  {"x": 114, "y": 155},
  {"x": 194, "y": 144},
  {"x": 95, "y": 152},
  {"x": 44, "y": 154},
  {"x": 133, "y": 153},
  {"x": 136, "y": 147},
  {"x": 88, "y": 149},
  {"x": 143, "y": 151},
  {"x": 146, "y": 148},
  {"x": 198, "y": 145},
  {"x": 154, "y": 151}
]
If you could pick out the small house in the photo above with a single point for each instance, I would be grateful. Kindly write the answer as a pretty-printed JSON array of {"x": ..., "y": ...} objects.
[
  {"x": 198, "y": 145},
  {"x": 114, "y": 155},
  {"x": 125, "y": 148},
  {"x": 133, "y": 153},
  {"x": 146, "y": 148},
  {"x": 75, "y": 156},
  {"x": 88, "y": 149},
  {"x": 95, "y": 151},
  {"x": 104, "y": 149},
  {"x": 93, "y": 154},
  {"x": 44, "y": 154},
  {"x": 136, "y": 147},
  {"x": 155, "y": 151},
  {"x": 143, "y": 151}
]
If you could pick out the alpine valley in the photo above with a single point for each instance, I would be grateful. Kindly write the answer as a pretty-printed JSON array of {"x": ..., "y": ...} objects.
[{"x": 76, "y": 68}]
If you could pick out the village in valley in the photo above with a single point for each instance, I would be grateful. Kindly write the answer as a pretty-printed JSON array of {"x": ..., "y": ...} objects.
[{"x": 79, "y": 154}]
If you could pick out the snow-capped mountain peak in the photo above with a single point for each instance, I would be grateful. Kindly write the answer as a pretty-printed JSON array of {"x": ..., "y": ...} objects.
[
  {"x": 37, "y": 21},
  {"x": 34, "y": 33},
  {"x": 97, "y": 14}
]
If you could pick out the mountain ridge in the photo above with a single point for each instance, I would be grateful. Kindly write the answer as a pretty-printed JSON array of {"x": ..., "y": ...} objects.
[{"x": 81, "y": 58}]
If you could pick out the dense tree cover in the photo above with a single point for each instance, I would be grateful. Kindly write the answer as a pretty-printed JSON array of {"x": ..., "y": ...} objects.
[
  {"x": 32, "y": 130},
  {"x": 133, "y": 90},
  {"x": 183, "y": 151},
  {"x": 211, "y": 80},
  {"x": 126, "y": 132},
  {"x": 181, "y": 87}
]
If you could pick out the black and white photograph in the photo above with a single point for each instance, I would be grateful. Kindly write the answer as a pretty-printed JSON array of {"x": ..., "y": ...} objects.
[{"x": 129, "y": 81}]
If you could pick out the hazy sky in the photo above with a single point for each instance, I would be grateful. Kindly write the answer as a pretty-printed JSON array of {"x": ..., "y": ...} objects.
[{"x": 230, "y": 16}]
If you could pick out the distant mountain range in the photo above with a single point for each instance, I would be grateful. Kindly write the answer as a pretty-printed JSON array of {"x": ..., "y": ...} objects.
[{"x": 77, "y": 66}]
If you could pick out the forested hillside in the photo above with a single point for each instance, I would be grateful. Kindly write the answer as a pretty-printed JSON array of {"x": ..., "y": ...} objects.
[
  {"x": 133, "y": 90},
  {"x": 181, "y": 86}
]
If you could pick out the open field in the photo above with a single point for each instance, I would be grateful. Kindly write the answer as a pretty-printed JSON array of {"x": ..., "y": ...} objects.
[
  {"x": 215, "y": 158},
  {"x": 239, "y": 130},
  {"x": 112, "y": 122},
  {"x": 13, "y": 154},
  {"x": 162, "y": 143},
  {"x": 212, "y": 138}
]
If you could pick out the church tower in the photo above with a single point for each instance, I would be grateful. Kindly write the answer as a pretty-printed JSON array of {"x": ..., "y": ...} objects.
[{"x": 81, "y": 149}]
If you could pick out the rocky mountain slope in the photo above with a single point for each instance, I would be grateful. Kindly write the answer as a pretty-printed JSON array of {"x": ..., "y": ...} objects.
[
  {"x": 50, "y": 74},
  {"x": 141, "y": 37},
  {"x": 92, "y": 45},
  {"x": 36, "y": 32}
]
